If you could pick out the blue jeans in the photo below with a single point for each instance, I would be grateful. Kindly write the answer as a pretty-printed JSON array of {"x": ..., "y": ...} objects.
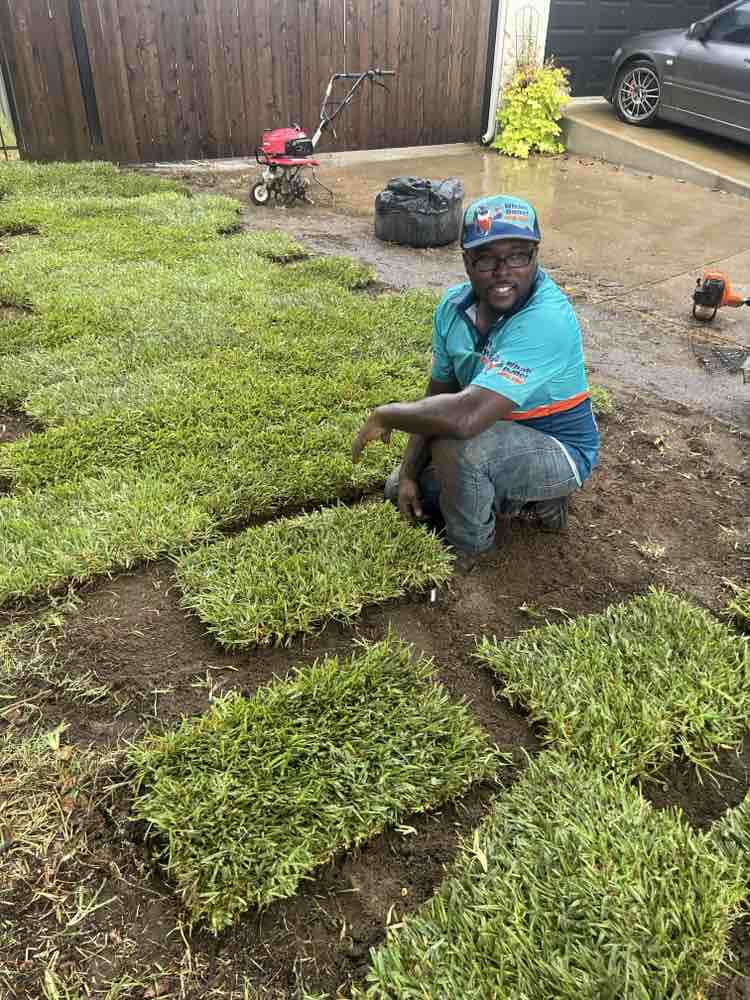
[{"x": 496, "y": 472}]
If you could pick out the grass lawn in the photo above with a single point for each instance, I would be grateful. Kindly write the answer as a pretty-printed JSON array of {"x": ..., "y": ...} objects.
[
  {"x": 573, "y": 888},
  {"x": 189, "y": 375},
  {"x": 632, "y": 687},
  {"x": 247, "y": 800}
]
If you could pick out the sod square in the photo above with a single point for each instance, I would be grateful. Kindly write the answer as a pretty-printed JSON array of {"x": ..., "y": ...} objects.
[
  {"x": 574, "y": 887},
  {"x": 294, "y": 575},
  {"x": 246, "y": 801},
  {"x": 633, "y": 686}
]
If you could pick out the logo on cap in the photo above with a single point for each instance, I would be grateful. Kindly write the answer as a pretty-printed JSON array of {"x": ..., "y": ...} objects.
[{"x": 483, "y": 219}]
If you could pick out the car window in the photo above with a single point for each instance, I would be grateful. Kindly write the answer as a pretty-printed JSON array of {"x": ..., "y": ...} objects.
[{"x": 732, "y": 27}]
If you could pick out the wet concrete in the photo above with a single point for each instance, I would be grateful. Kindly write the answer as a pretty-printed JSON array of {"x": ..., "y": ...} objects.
[
  {"x": 593, "y": 128},
  {"x": 625, "y": 246}
]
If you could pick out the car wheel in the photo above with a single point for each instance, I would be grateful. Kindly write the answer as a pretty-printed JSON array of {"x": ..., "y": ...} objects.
[
  {"x": 638, "y": 93},
  {"x": 260, "y": 194}
]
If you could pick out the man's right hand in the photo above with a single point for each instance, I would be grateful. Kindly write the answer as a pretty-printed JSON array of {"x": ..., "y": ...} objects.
[{"x": 409, "y": 499}]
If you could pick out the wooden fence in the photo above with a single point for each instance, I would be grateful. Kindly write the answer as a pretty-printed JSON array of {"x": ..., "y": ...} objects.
[{"x": 168, "y": 80}]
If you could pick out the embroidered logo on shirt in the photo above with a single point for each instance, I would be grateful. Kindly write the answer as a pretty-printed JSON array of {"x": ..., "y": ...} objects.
[{"x": 510, "y": 370}]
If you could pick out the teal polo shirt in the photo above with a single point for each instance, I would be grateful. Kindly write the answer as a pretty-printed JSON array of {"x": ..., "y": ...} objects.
[{"x": 534, "y": 357}]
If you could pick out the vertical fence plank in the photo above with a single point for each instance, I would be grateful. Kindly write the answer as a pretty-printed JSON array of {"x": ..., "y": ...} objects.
[
  {"x": 208, "y": 144},
  {"x": 307, "y": 42},
  {"x": 391, "y": 134},
  {"x": 441, "y": 117},
  {"x": 474, "y": 119},
  {"x": 251, "y": 92},
  {"x": 405, "y": 69},
  {"x": 108, "y": 71},
  {"x": 468, "y": 60},
  {"x": 236, "y": 119},
  {"x": 61, "y": 139},
  {"x": 219, "y": 84},
  {"x": 363, "y": 112},
  {"x": 433, "y": 69},
  {"x": 379, "y": 60},
  {"x": 81, "y": 140},
  {"x": 165, "y": 31},
  {"x": 265, "y": 63}
]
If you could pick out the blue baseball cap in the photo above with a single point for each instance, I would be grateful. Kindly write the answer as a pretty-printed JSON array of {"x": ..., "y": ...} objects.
[{"x": 499, "y": 217}]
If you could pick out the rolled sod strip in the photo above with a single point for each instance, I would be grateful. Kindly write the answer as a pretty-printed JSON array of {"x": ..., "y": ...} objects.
[
  {"x": 634, "y": 686},
  {"x": 295, "y": 575},
  {"x": 574, "y": 887},
  {"x": 244, "y": 802}
]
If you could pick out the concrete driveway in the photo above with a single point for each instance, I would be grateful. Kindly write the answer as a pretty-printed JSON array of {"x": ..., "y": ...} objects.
[
  {"x": 592, "y": 128},
  {"x": 626, "y": 246}
]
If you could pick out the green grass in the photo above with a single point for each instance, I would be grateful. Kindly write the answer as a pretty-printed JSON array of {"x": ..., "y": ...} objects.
[
  {"x": 602, "y": 402},
  {"x": 732, "y": 834},
  {"x": 297, "y": 574},
  {"x": 74, "y": 180},
  {"x": 573, "y": 888},
  {"x": 634, "y": 686},
  {"x": 738, "y": 607},
  {"x": 245, "y": 802},
  {"x": 217, "y": 376}
]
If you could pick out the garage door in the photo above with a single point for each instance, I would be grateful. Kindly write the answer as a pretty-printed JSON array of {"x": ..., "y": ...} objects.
[{"x": 583, "y": 34}]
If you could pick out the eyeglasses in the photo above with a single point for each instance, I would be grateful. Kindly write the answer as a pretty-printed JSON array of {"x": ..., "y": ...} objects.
[{"x": 487, "y": 264}]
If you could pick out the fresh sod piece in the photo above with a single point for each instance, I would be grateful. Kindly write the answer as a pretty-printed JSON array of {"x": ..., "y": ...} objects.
[
  {"x": 574, "y": 887},
  {"x": 632, "y": 687},
  {"x": 246, "y": 801},
  {"x": 295, "y": 575}
]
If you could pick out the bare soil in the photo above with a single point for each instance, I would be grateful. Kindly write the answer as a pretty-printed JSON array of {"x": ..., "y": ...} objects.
[{"x": 667, "y": 507}]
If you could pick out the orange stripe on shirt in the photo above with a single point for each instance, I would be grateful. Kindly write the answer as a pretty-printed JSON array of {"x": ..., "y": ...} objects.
[{"x": 550, "y": 408}]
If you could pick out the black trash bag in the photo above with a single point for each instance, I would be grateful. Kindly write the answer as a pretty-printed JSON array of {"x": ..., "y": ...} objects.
[{"x": 417, "y": 212}]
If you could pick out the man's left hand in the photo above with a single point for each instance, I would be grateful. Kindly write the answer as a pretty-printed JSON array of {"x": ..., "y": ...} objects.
[{"x": 373, "y": 429}]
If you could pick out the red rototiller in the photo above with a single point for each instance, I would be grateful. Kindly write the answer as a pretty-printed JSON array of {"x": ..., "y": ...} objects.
[{"x": 286, "y": 153}]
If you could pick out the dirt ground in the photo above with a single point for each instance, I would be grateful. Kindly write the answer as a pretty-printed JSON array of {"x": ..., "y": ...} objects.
[{"x": 667, "y": 506}]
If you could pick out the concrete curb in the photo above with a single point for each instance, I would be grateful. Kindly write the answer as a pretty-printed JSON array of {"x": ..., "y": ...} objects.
[{"x": 586, "y": 139}]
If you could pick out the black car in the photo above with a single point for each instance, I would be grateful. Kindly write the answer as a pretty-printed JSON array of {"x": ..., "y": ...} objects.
[{"x": 698, "y": 76}]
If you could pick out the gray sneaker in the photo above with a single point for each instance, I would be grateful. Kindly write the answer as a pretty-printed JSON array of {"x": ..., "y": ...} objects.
[{"x": 550, "y": 515}]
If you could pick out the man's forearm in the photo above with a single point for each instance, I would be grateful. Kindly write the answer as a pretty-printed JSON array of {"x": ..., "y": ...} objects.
[{"x": 436, "y": 416}]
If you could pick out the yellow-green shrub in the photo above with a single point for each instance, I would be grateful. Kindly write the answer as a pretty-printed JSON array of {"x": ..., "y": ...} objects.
[{"x": 531, "y": 109}]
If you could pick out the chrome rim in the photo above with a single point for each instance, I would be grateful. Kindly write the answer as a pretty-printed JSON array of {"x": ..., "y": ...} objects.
[
  {"x": 638, "y": 94},
  {"x": 261, "y": 192}
]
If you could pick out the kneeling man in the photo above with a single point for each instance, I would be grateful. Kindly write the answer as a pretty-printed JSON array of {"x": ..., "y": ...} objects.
[{"x": 506, "y": 426}]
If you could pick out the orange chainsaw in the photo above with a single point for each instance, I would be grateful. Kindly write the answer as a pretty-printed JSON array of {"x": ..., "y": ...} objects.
[{"x": 712, "y": 292}]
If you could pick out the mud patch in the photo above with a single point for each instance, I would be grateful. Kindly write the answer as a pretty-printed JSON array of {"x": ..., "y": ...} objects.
[
  {"x": 15, "y": 425},
  {"x": 10, "y": 232},
  {"x": 8, "y": 311}
]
